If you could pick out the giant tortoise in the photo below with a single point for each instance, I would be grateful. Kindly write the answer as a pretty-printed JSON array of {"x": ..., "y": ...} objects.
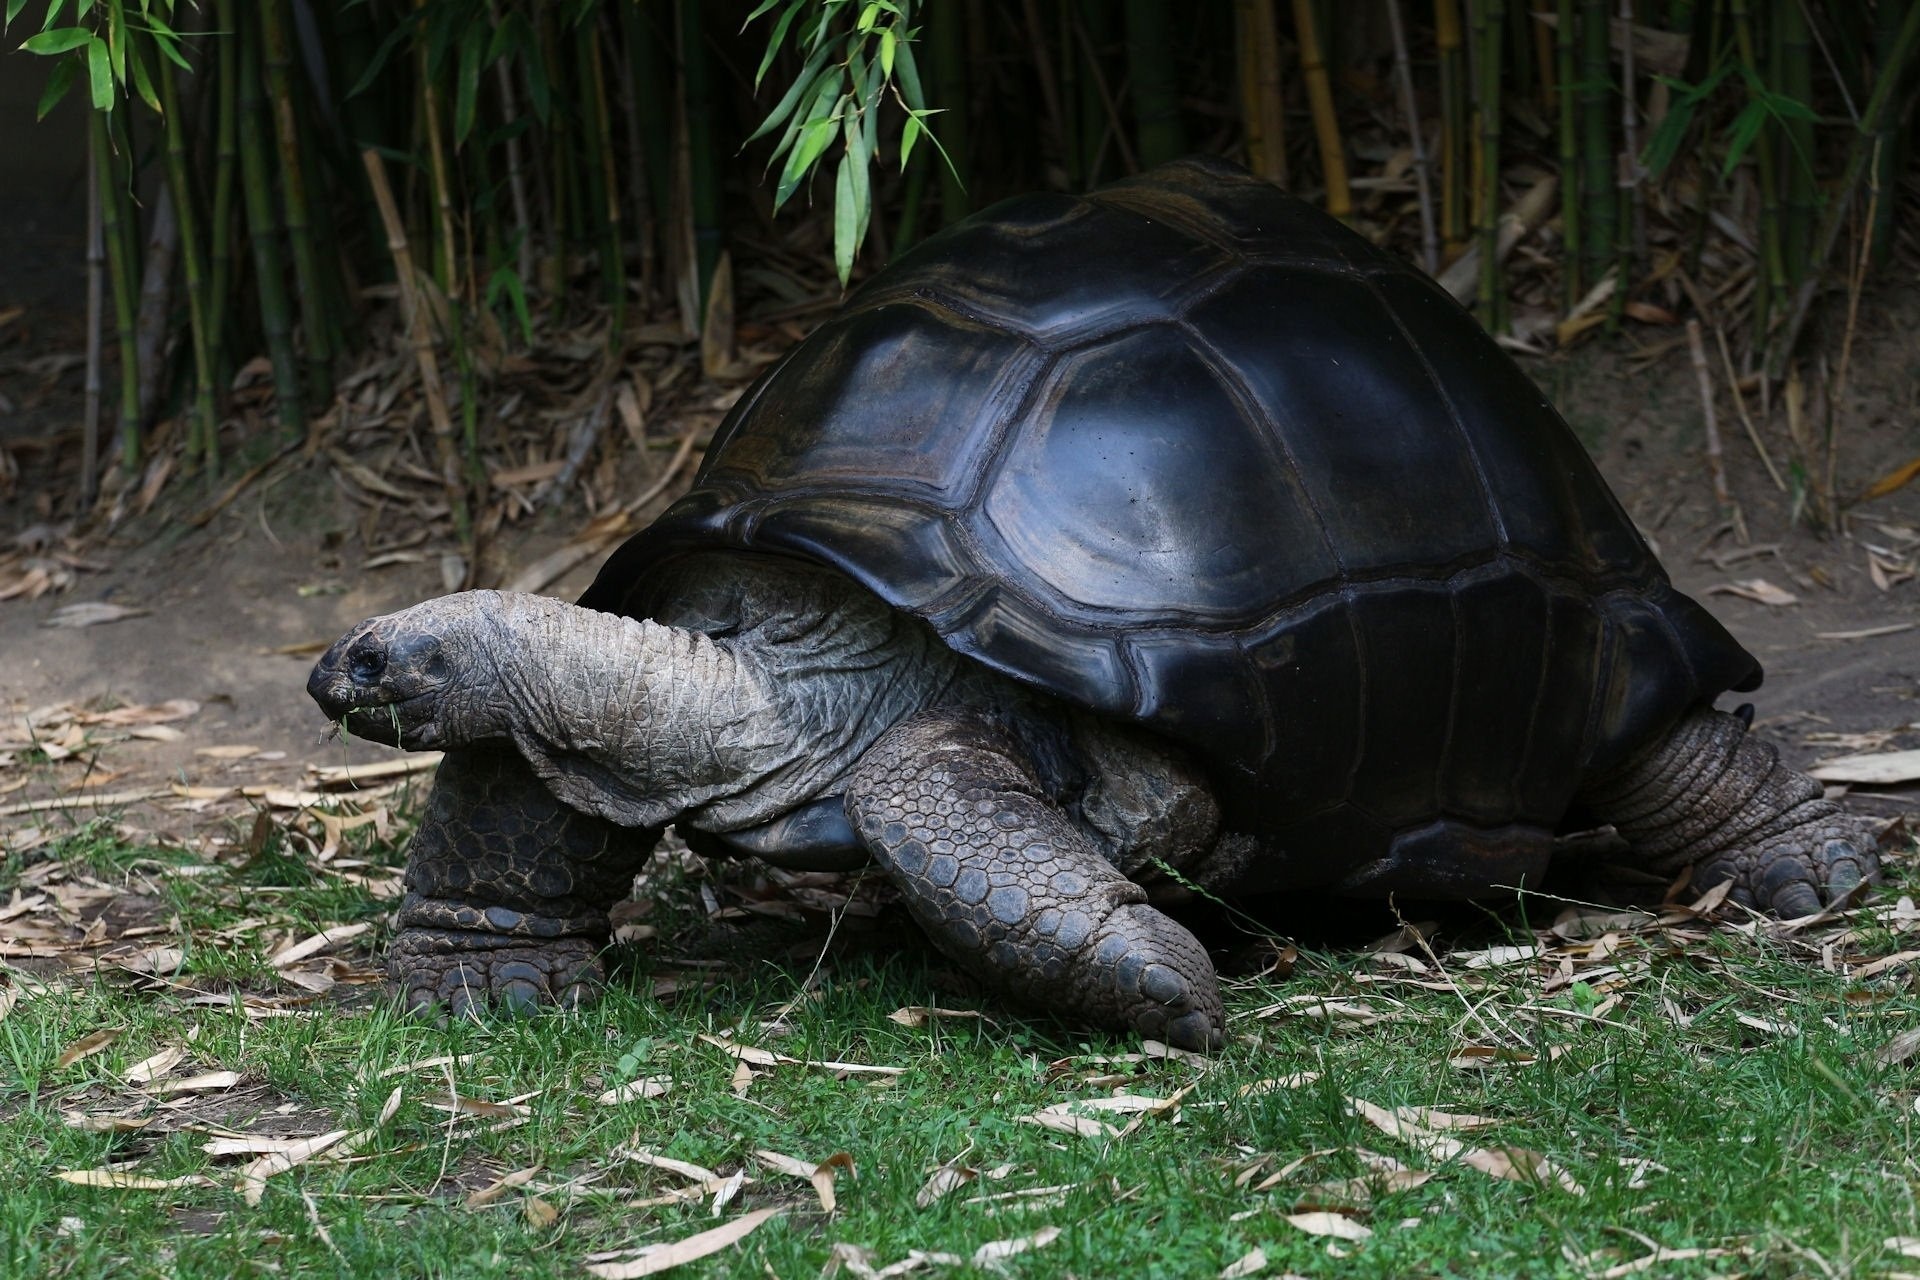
[{"x": 1168, "y": 534}]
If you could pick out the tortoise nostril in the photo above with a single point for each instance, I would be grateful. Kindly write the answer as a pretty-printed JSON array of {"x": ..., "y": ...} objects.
[{"x": 368, "y": 665}]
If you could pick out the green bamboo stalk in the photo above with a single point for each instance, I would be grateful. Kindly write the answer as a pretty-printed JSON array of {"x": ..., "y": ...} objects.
[
  {"x": 1158, "y": 129},
  {"x": 1769, "y": 301},
  {"x": 1889, "y": 139},
  {"x": 947, "y": 43},
  {"x": 703, "y": 142},
  {"x": 114, "y": 203},
  {"x": 603, "y": 187},
  {"x": 1598, "y": 189},
  {"x": 203, "y": 429},
  {"x": 316, "y": 327},
  {"x": 1567, "y": 89},
  {"x": 1521, "y": 24},
  {"x": 1793, "y": 77},
  {"x": 446, "y": 247},
  {"x": 1454, "y": 145},
  {"x": 263, "y": 231},
  {"x": 1490, "y": 16},
  {"x": 220, "y": 225},
  {"x": 644, "y": 161},
  {"x": 564, "y": 212}
]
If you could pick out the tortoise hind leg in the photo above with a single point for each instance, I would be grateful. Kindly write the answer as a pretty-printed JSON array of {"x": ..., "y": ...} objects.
[
  {"x": 508, "y": 890},
  {"x": 1013, "y": 889},
  {"x": 1709, "y": 795}
]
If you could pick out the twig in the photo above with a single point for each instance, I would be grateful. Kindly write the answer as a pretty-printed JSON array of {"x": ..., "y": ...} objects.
[
  {"x": 1423, "y": 182},
  {"x": 1716, "y": 467},
  {"x": 413, "y": 313},
  {"x": 1115, "y": 131},
  {"x": 1855, "y": 285},
  {"x": 1740, "y": 403},
  {"x": 544, "y": 571},
  {"x": 1629, "y": 175}
]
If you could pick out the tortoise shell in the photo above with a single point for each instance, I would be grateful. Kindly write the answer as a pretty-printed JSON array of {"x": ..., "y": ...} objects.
[{"x": 1190, "y": 453}]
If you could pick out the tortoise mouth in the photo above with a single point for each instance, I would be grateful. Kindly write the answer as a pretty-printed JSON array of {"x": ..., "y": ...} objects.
[{"x": 399, "y": 722}]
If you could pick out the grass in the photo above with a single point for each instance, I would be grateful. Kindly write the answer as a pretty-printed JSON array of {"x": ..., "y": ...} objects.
[{"x": 1713, "y": 1089}]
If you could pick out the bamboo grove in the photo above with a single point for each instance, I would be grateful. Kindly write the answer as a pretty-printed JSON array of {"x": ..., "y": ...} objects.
[{"x": 261, "y": 166}]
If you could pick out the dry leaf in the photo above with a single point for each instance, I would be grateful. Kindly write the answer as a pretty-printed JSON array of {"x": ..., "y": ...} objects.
[
  {"x": 197, "y": 1084},
  {"x": 1899, "y": 1049},
  {"x": 994, "y": 1250},
  {"x": 766, "y": 1058},
  {"x": 90, "y": 613},
  {"x": 646, "y": 1087},
  {"x": 1432, "y": 1118},
  {"x": 147, "y": 1070},
  {"x": 949, "y": 1177},
  {"x": 539, "y": 1213},
  {"x": 1905, "y": 1246},
  {"x": 661, "y": 1257},
  {"x": 130, "y": 1181},
  {"x": 235, "y": 752},
  {"x": 1330, "y": 1224},
  {"x": 318, "y": 942},
  {"x": 85, "y": 1047},
  {"x": 500, "y": 1186},
  {"x": 918, "y": 1015},
  {"x": 1758, "y": 590},
  {"x": 1886, "y": 768},
  {"x": 154, "y": 960},
  {"x": 1471, "y": 1057},
  {"x": 1251, "y": 1264},
  {"x": 253, "y": 1178}
]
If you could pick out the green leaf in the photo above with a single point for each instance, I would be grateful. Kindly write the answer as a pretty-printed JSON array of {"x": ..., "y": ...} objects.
[
  {"x": 466, "y": 82},
  {"x": 867, "y": 16},
  {"x": 54, "y": 9},
  {"x": 539, "y": 88},
  {"x": 773, "y": 41},
  {"x": 169, "y": 46},
  {"x": 13, "y": 11},
  {"x": 860, "y": 158},
  {"x": 909, "y": 77},
  {"x": 814, "y": 139},
  {"x": 57, "y": 85},
  {"x": 1746, "y": 128},
  {"x": 782, "y": 109},
  {"x": 99, "y": 74},
  {"x": 846, "y": 220},
  {"x": 142, "y": 83},
  {"x": 505, "y": 281},
  {"x": 886, "y": 52},
  {"x": 909, "y": 134},
  {"x": 117, "y": 40},
  {"x": 378, "y": 62},
  {"x": 52, "y": 42}
]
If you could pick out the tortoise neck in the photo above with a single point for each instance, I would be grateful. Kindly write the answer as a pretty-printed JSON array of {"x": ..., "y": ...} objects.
[{"x": 629, "y": 718}]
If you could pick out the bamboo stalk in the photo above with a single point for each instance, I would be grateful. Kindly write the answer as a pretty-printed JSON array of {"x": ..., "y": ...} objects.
[
  {"x": 1055, "y": 134},
  {"x": 1890, "y": 140},
  {"x": 153, "y": 317},
  {"x": 599, "y": 119},
  {"x": 642, "y": 161},
  {"x": 1716, "y": 466},
  {"x": 114, "y": 199},
  {"x": 220, "y": 225},
  {"x": 1602, "y": 216},
  {"x": 202, "y": 434},
  {"x": 1326, "y": 124},
  {"x": 1422, "y": 163},
  {"x": 1092, "y": 30},
  {"x": 1768, "y": 302},
  {"x": 1570, "y": 193},
  {"x": 1629, "y": 174},
  {"x": 413, "y": 314},
  {"x": 316, "y": 328},
  {"x": 1262, "y": 105},
  {"x": 703, "y": 143},
  {"x": 1453, "y": 125},
  {"x": 96, "y": 272},
  {"x": 263, "y": 232},
  {"x": 1545, "y": 56},
  {"x": 947, "y": 43},
  {"x": 516, "y": 176},
  {"x": 1794, "y": 78},
  {"x": 1158, "y": 129},
  {"x": 1492, "y": 295}
]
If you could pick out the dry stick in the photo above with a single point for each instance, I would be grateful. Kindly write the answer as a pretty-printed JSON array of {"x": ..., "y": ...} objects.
[
  {"x": 96, "y": 274},
  {"x": 1262, "y": 101},
  {"x": 1855, "y": 285},
  {"x": 1715, "y": 465},
  {"x": 542, "y": 572},
  {"x": 1115, "y": 130},
  {"x": 1422, "y": 177},
  {"x": 516, "y": 182},
  {"x": 1629, "y": 175},
  {"x": 1740, "y": 403},
  {"x": 414, "y": 313}
]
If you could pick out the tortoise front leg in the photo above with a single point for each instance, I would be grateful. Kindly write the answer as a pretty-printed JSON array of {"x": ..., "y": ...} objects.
[
  {"x": 1709, "y": 795},
  {"x": 1011, "y": 888},
  {"x": 508, "y": 890}
]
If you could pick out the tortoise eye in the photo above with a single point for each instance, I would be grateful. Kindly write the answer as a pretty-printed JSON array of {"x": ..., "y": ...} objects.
[{"x": 369, "y": 664}]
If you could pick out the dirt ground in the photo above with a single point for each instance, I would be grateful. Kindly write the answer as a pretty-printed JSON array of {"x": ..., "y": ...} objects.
[{"x": 282, "y": 566}]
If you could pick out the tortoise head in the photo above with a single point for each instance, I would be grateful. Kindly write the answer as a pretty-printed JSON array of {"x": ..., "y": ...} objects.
[{"x": 419, "y": 678}]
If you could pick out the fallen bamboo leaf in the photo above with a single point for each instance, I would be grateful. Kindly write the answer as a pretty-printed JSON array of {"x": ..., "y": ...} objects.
[
  {"x": 948, "y": 1178},
  {"x": 500, "y": 1186},
  {"x": 1886, "y": 768},
  {"x": 918, "y": 1015},
  {"x": 1336, "y": 1225},
  {"x": 85, "y": 1047},
  {"x": 661, "y": 1257},
  {"x": 318, "y": 942},
  {"x": 1894, "y": 479},
  {"x": 1660, "y": 1257},
  {"x": 253, "y": 1178},
  {"x": 766, "y": 1058},
  {"x": 686, "y": 1169},
  {"x": 347, "y": 775},
  {"x": 1432, "y": 1118},
  {"x": 235, "y": 752},
  {"x": 1868, "y": 633},
  {"x": 250, "y": 1146},
  {"x": 197, "y": 1084},
  {"x": 1758, "y": 590},
  {"x": 130, "y": 1181},
  {"x": 540, "y": 1214},
  {"x": 1472, "y": 1057},
  {"x": 103, "y": 800},
  {"x": 1249, "y": 1264},
  {"x": 91, "y": 613},
  {"x": 105, "y": 1124},
  {"x": 994, "y": 1250},
  {"x": 646, "y": 1087},
  {"x": 147, "y": 1070},
  {"x": 152, "y": 960},
  {"x": 1899, "y": 1049}
]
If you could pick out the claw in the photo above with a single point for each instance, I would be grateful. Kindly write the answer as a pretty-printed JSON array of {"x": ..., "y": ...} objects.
[{"x": 1195, "y": 1030}]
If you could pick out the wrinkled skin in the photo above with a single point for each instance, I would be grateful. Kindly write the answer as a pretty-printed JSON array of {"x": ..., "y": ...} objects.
[{"x": 1019, "y": 834}]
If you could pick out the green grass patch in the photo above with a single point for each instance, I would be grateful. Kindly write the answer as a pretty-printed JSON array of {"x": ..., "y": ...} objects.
[{"x": 1732, "y": 1096}]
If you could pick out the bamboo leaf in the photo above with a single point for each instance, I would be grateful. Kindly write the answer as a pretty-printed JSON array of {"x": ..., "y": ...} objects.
[
  {"x": 99, "y": 74},
  {"x": 13, "y": 11},
  {"x": 57, "y": 85},
  {"x": 909, "y": 134},
  {"x": 505, "y": 282},
  {"x": 466, "y": 97},
  {"x": 886, "y": 52},
  {"x": 909, "y": 77},
  {"x": 52, "y": 42},
  {"x": 117, "y": 40},
  {"x": 814, "y": 139},
  {"x": 142, "y": 83},
  {"x": 788, "y": 101},
  {"x": 774, "y": 40},
  {"x": 539, "y": 88},
  {"x": 1740, "y": 138},
  {"x": 53, "y": 13},
  {"x": 846, "y": 220},
  {"x": 378, "y": 63}
]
